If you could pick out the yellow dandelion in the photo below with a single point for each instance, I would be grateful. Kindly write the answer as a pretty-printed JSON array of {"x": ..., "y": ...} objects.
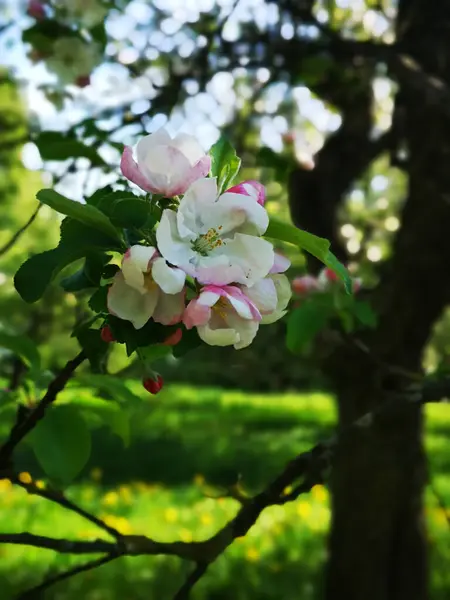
[
  {"x": 185, "y": 535},
  {"x": 252, "y": 554},
  {"x": 319, "y": 493},
  {"x": 96, "y": 474},
  {"x": 171, "y": 515},
  {"x": 123, "y": 526},
  {"x": 25, "y": 477},
  {"x": 303, "y": 510},
  {"x": 40, "y": 484},
  {"x": 110, "y": 499},
  {"x": 125, "y": 494},
  {"x": 206, "y": 519},
  {"x": 199, "y": 479},
  {"x": 5, "y": 485}
]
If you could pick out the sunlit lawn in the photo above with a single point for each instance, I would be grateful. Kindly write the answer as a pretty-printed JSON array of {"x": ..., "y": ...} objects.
[{"x": 190, "y": 444}]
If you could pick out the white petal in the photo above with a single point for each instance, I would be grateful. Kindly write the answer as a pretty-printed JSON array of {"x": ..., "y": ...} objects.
[
  {"x": 127, "y": 303},
  {"x": 218, "y": 337},
  {"x": 281, "y": 264},
  {"x": 273, "y": 317},
  {"x": 254, "y": 214},
  {"x": 240, "y": 306},
  {"x": 170, "y": 280},
  {"x": 284, "y": 290},
  {"x": 245, "y": 329},
  {"x": 208, "y": 298},
  {"x": 146, "y": 143},
  {"x": 189, "y": 146},
  {"x": 264, "y": 294},
  {"x": 253, "y": 256},
  {"x": 135, "y": 263},
  {"x": 174, "y": 249},
  {"x": 195, "y": 206},
  {"x": 169, "y": 309}
]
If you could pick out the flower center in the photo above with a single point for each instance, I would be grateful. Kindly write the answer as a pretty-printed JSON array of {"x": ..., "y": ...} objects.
[
  {"x": 220, "y": 307},
  {"x": 209, "y": 241}
]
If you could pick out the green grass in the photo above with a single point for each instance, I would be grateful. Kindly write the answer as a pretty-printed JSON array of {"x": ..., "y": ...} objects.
[{"x": 189, "y": 443}]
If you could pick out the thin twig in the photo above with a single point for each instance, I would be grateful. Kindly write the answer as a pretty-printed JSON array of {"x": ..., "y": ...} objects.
[
  {"x": 16, "y": 236},
  {"x": 185, "y": 589},
  {"x": 24, "y": 426},
  {"x": 62, "y": 546},
  {"x": 59, "y": 498},
  {"x": 35, "y": 592}
]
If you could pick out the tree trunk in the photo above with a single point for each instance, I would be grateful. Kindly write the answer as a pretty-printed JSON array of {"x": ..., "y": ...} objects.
[{"x": 377, "y": 542}]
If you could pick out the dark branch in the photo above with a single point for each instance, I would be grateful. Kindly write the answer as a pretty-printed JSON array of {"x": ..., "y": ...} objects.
[
  {"x": 62, "y": 546},
  {"x": 25, "y": 425},
  {"x": 59, "y": 498},
  {"x": 185, "y": 589},
  {"x": 93, "y": 564},
  {"x": 16, "y": 236}
]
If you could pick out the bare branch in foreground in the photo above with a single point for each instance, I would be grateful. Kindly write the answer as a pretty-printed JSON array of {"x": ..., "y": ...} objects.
[
  {"x": 185, "y": 589},
  {"x": 25, "y": 425},
  {"x": 17, "y": 235},
  {"x": 35, "y": 592}
]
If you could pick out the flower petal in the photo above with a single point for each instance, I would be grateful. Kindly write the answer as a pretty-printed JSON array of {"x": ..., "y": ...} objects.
[
  {"x": 196, "y": 314},
  {"x": 251, "y": 188},
  {"x": 241, "y": 303},
  {"x": 146, "y": 143},
  {"x": 169, "y": 309},
  {"x": 281, "y": 264},
  {"x": 135, "y": 263},
  {"x": 249, "y": 258},
  {"x": 264, "y": 294},
  {"x": 173, "y": 248},
  {"x": 170, "y": 280},
  {"x": 196, "y": 203},
  {"x": 234, "y": 210},
  {"x": 132, "y": 172},
  {"x": 127, "y": 303},
  {"x": 245, "y": 329},
  {"x": 189, "y": 146},
  {"x": 218, "y": 337},
  {"x": 284, "y": 293}
]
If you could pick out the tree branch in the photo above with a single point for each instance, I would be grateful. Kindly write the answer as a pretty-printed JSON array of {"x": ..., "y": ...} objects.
[
  {"x": 93, "y": 564},
  {"x": 185, "y": 589},
  {"x": 63, "y": 546},
  {"x": 58, "y": 498},
  {"x": 16, "y": 236},
  {"x": 25, "y": 425}
]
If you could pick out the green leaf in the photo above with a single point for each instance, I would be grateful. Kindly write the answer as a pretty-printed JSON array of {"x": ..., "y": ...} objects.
[
  {"x": 130, "y": 213},
  {"x": 61, "y": 442},
  {"x": 224, "y": 163},
  {"x": 317, "y": 246},
  {"x": 365, "y": 314},
  {"x": 189, "y": 341},
  {"x": 97, "y": 303},
  {"x": 105, "y": 413},
  {"x": 304, "y": 323},
  {"x": 156, "y": 352},
  {"x": 281, "y": 163},
  {"x": 111, "y": 385},
  {"x": 151, "y": 333},
  {"x": 56, "y": 145},
  {"x": 86, "y": 213},
  {"x": 23, "y": 347},
  {"x": 77, "y": 240},
  {"x": 95, "y": 348}
]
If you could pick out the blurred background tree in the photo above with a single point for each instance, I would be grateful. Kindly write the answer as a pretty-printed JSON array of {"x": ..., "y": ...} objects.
[{"x": 361, "y": 87}]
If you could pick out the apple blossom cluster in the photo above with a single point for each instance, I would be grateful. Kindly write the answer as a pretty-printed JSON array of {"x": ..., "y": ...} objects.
[
  {"x": 72, "y": 55},
  {"x": 208, "y": 266}
]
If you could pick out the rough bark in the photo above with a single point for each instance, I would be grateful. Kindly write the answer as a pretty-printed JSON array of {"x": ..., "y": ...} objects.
[{"x": 377, "y": 545}]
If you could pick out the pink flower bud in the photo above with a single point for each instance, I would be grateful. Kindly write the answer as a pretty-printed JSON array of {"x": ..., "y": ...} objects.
[
  {"x": 83, "y": 81},
  {"x": 304, "y": 285},
  {"x": 250, "y": 188},
  {"x": 153, "y": 386},
  {"x": 107, "y": 335},
  {"x": 36, "y": 10},
  {"x": 174, "y": 338}
]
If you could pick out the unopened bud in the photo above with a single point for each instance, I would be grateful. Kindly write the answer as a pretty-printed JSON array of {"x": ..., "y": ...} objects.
[
  {"x": 304, "y": 285},
  {"x": 36, "y": 10},
  {"x": 174, "y": 338},
  {"x": 153, "y": 386},
  {"x": 83, "y": 81},
  {"x": 107, "y": 335}
]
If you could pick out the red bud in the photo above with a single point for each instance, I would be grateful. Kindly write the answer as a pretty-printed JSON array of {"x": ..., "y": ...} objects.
[
  {"x": 174, "y": 338},
  {"x": 107, "y": 335},
  {"x": 36, "y": 10},
  {"x": 83, "y": 81},
  {"x": 153, "y": 386}
]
